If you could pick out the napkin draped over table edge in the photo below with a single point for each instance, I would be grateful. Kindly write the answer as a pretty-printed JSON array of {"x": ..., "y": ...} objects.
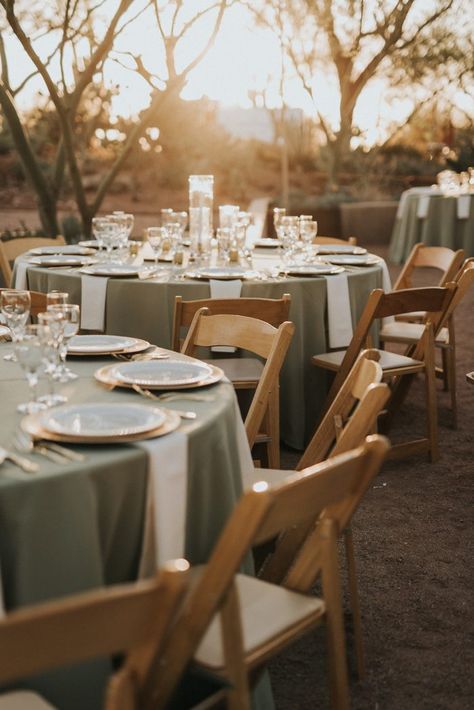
[
  {"x": 93, "y": 301},
  {"x": 225, "y": 289}
]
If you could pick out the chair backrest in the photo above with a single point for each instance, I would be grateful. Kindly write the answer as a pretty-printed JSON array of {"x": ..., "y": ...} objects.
[
  {"x": 260, "y": 515},
  {"x": 334, "y": 240},
  {"x": 132, "y": 618},
  {"x": 271, "y": 310},
  {"x": 10, "y": 249},
  {"x": 444, "y": 259},
  {"x": 464, "y": 281},
  {"x": 353, "y": 413},
  {"x": 434, "y": 300},
  {"x": 249, "y": 334},
  {"x": 38, "y": 302}
]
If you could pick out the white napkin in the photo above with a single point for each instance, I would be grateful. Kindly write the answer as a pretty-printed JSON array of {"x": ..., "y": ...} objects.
[
  {"x": 243, "y": 448},
  {"x": 225, "y": 289},
  {"x": 21, "y": 276},
  {"x": 93, "y": 297},
  {"x": 463, "y": 206},
  {"x": 165, "y": 516},
  {"x": 339, "y": 311},
  {"x": 422, "y": 207}
]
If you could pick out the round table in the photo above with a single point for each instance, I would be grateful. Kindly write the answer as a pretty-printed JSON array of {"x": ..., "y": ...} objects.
[
  {"x": 144, "y": 309},
  {"x": 77, "y": 526},
  {"x": 426, "y": 215}
]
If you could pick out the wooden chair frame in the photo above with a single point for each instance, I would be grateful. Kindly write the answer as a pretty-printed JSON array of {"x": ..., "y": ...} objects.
[
  {"x": 445, "y": 339},
  {"x": 10, "y": 249},
  {"x": 422, "y": 256},
  {"x": 265, "y": 341},
  {"x": 433, "y": 300},
  {"x": 133, "y": 618},
  {"x": 330, "y": 493}
]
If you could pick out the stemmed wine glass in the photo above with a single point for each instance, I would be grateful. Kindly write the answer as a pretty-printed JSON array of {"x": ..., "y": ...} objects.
[
  {"x": 156, "y": 236},
  {"x": 51, "y": 328},
  {"x": 224, "y": 240},
  {"x": 29, "y": 352},
  {"x": 56, "y": 298},
  {"x": 98, "y": 228},
  {"x": 70, "y": 326},
  {"x": 278, "y": 213},
  {"x": 308, "y": 231},
  {"x": 15, "y": 306}
]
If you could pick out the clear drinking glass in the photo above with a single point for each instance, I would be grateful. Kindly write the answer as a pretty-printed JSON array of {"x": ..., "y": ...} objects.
[
  {"x": 55, "y": 298},
  {"x": 70, "y": 325},
  {"x": 224, "y": 241},
  {"x": 98, "y": 228},
  {"x": 201, "y": 193},
  {"x": 308, "y": 231},
  {"x": 15, "y": 307},
  {"x": 166, "y": 216},
  {"x": 51, "y": 335},
  {"x": 181, "y": 218},
  {"x": 278, "y": 213},
  {"x": 228, "y": 216},
  {"x": 156, "y": 236},
  {"x": 29, "y": 352}
]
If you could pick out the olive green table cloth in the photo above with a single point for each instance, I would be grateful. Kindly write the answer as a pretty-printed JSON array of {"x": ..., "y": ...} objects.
[
  {"x": 144, "y": 309},
  {"x": 435, "y": 219},
  {"x": 77, "y": 526}
]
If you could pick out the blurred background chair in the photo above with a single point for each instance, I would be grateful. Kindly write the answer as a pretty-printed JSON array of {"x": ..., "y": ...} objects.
[{"x": 10, "y": 249}]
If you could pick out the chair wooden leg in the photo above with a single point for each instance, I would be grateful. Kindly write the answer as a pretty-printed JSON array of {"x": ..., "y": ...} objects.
[
  {"x": 444, "y": 360},
  {"x": 273, "y": 446},
  {"x": 355, "y": 606},
  {"x": 431, "y": 403},
  {"x": 451, "y": 371},
  {"x": 338, "y": 681},
  {"x": 238, "y": 697}
]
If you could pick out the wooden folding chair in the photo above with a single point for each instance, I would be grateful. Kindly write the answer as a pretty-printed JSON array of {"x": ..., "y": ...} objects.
[
  {"x": 267, "y": 342},
  {"x": 445, "y": 339},
  {"x": 257, "y": 619},
  {"x": 443, "y": 259},
  {"x": 334, "y": 240},
  {"x": 9, "y": 250},
  {"x": 419, "y": 358},
  {"x": 133, "y": 618},
  {"x": 350, "y": 418}
]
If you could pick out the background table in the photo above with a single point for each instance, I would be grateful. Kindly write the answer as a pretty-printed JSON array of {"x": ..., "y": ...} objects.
[
  {"x": 440, "y": 227},
  {"x": 79, "y": 526},
  {"x": 144, "y": 309}
]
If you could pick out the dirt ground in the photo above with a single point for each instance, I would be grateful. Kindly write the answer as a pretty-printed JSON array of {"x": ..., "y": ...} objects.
[{"x": 414, "y": 541}]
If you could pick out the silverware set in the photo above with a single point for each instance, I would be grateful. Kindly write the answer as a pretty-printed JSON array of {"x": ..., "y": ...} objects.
[{"x": 56, "y": 453}]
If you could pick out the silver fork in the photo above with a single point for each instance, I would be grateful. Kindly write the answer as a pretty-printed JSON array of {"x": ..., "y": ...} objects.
[
  {"x": 156, "y": 398},
  {"x": 23, "y": 463}
]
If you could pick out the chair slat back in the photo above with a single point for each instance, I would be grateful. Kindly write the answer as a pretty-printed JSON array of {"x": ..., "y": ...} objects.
[
  {"x": 334, "y": 240},
  {"x": 431, "y": 299},
  {"x": 422, "y": 256},
  {"x": 260, "y": 514},
  {"x": 90, "y": 625},
  {"x": 10, "y": 249},
  {"x": 271, "y": 310},
  {"x": 464, "y": 282},
  {"x": 345, "y": 407},
  {"x": 237, "y": 331}
]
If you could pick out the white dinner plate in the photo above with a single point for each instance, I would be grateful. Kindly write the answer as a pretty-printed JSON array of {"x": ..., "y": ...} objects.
[
  {"x": 5, "y": 332},
  {"x": 162, "y": 373},
  {"x": 225, "y": 273},
  {"x": 99, "y": 344},
  {"x": 267, "y": 243},
  {"x": 340, "y": 249},
  {"x": 311, "y": 270},
  {"x": 102, "y": 420},
  {"x": 92, "y": 244},
  {"x": 74, "y": 249},
  {"x": 117, "y": 270},
  {"x": 354, "y": 260},
  {"x": 60, "y": 260}
]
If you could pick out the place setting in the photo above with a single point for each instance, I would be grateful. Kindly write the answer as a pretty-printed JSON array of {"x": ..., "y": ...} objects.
[{"x": 169, "y": 374}]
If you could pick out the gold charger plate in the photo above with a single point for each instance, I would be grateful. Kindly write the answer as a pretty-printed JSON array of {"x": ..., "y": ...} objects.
[
  {"x": 137, "y": 347},
  {"x": 31, "y": 425},
  {"x": 104, "y": 375}
]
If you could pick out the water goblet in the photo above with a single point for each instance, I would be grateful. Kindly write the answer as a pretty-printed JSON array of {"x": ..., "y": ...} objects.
[
  {"x": 15, "y": 307},
  {"x": 278, "y": 213},
  {"x": 55, "y": 298},
  {"x": 51, "y": 335},
  {"x": 308, "y": 231},
  {"x": 180, "y": 218},
  {"x": 70, "y": 327},
  {"x": 110, "y": 236},
  {"x": 98, "y": 227},
  {"x": 155, "y": 237},
  {"x": 166, "y": 216},
  {"x": 29, "y": 352}
]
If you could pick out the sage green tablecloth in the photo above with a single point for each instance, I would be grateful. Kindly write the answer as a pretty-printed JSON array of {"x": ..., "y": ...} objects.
[
  {"x": 440, "y": 227},
  {"x": 79, "y": 526},
  {"x": 144, "y": 309}
]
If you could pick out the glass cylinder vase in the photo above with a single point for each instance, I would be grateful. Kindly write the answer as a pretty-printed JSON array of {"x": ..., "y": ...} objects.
[{"x": 201, "y": 192}]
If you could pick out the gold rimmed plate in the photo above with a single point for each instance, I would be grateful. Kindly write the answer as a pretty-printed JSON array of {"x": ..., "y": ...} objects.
[
  {"x": 101, "y": 345},
  {"x": 221, "y": 273},
  {"x": 154, "y": 375},
  {"x": 34, "y": 426}
]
